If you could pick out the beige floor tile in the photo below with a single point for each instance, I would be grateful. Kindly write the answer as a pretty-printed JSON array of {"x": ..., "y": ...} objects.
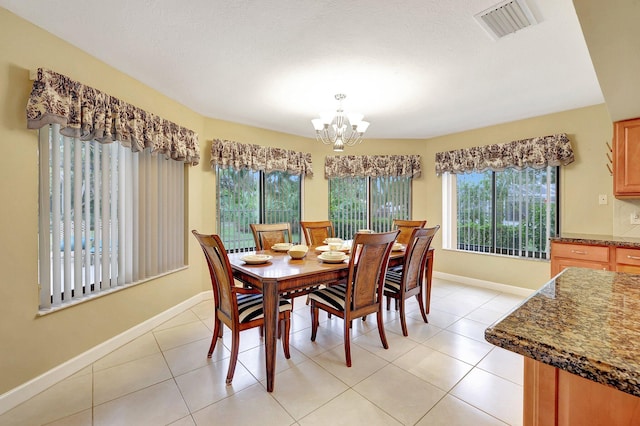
[
  {"x": 485, "y": 316},
  {"x": 505, "y": 364},
  {"x": 441, "y": 319},
  {"x": 185, "y": 421},
  {"x": 434, "y": 367},
  {"x": 204, "y": 309},
  {"x": 398, "y": 344},
  {"x": 70, "y": 396},
  {"x": 363, "y": 364},
  {"x": 348, "y": 408},
  {"x": 155, "y": 405},
  {"x": 141, "y": 347},
  {"x": 469, "y": 328},
  {"x": 305, "y": 387},
  {"x": 457, "y": 305},
  {"x": 251, "y": 406},
  {"x": 325, "y": 340},
  {"x": 418, "y": 330},
  {"x": 504, "y": 302},
  {"x": 206, "y": 385},
  {"x": 491, "y": 394},
  {"x": 254, "y": 360},
  {"x": 300, "y": 320},
  {"x": 463, "y": 348},
  {"x": 181, "y": 335},
  {"x": 185, "y": 317},
  {"x": 399, "y": 393},
  {"x": 83, "y": 418},
  {"x": 193, "y": 355},
  {"x": 451, "y": 411},
  {"x": 114, "y": 382},
  {"x": 249, "y": 339}
]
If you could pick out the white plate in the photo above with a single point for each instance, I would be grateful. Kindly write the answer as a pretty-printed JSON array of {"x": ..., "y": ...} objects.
[
  {"x": 324, "y": 259},
  {"x": 256, "y": 259},
  {"x": 334, "y": 240},
  {"x": 282, "y": 248},
  {"x": 326, "y": 248},
  {"x": 397, "y": 247}
]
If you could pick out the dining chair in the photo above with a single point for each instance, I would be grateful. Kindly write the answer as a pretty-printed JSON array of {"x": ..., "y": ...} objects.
[
  {"x": 406, "y": 227},
  {"x": 316, "y": 232},
  {"x": 236, "y": 307},
  {"x": 409, "y": 281},
  {"x": 362, "y": 293},
  {"x": 266, "y": 235}
]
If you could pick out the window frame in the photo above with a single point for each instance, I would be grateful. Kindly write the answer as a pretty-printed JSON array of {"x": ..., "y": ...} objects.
[{"x": 450, "y": 214}]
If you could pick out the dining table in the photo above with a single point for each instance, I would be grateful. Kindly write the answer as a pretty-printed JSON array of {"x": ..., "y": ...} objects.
[{"x": 282, "y": 274}]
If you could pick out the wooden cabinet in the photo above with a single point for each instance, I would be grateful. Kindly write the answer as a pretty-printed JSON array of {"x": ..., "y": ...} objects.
[
  {"x": 608, "y": 258},
  {"x": 564, "y": 255},
  {"x": 628, "y": 260},
  {"x": 626, "y": 167}
]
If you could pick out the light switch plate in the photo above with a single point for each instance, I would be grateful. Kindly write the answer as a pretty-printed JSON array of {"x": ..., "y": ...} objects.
[
  {"x": 635, "y": 218},
  {"x": 602, "y": 199}
]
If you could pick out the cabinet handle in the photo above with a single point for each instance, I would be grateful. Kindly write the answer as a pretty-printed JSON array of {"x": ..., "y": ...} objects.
[
  {"x": 578, "y": 252},
  {"x": 633, "y": 257}
]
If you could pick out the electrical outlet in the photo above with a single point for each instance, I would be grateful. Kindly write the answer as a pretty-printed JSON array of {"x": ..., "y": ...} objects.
[
  {"x": 635, "y": 218},
  {"x": 602, "y": 199}
]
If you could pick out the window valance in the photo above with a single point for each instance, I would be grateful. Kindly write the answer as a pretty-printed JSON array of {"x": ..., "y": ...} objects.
[
  {"x": 372, "y": 165},
  {"x": 89, "y": 114},
  {"x": 553, "y": 150},
  {"x": 237, "y": 155}
]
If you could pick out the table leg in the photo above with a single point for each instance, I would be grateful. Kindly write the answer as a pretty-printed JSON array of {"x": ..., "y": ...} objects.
[{"x": 270, "y": 306}]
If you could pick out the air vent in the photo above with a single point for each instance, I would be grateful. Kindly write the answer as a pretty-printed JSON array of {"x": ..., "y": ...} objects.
[{"x": 505, "y": 18}]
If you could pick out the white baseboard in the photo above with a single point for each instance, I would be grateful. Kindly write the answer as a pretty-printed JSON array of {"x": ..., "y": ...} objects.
[
  {"x": 34, "y": 386},
  {"x": 505, "y": 288}
]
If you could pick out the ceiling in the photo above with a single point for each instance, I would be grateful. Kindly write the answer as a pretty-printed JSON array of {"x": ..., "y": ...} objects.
[{"x": 414, "y": 68}]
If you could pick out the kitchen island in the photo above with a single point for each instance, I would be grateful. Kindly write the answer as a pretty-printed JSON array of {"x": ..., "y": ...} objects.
[{"x": 580, "y": 336}]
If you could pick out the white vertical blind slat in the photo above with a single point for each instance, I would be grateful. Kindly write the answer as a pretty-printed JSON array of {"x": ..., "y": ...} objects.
[
  {"x": 78, "y": 245},
  {"x": 44, "y": 237},
  {"x": 66, "y": 217},
  {"x": 55, "y": 218}
]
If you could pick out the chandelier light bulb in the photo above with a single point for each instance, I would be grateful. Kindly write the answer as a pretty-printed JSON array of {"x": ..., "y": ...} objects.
[{"x": 339, "y": 128}]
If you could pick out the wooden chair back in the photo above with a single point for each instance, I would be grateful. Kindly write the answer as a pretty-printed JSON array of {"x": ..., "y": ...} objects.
[
  {"x": 415, "y": 259},
  {"x": 406, "y": 227},
  {"x": 367, "y": 267},
  {"x": 316, "y": 232},
  {"x": 222, "y": 281},
  {"x": 266, "y": 235}
]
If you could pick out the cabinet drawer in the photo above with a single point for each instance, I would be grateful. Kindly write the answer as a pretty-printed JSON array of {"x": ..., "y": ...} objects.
[
  {"x": 628, "y": 256},
  {"x": 581, "y": 251}
]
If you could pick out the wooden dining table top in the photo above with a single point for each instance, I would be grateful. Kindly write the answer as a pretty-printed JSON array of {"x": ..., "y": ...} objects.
[{"x": 293, "y": 273}]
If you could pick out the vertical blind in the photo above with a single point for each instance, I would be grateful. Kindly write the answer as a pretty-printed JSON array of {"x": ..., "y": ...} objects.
[{"x": 109, "y": 217}]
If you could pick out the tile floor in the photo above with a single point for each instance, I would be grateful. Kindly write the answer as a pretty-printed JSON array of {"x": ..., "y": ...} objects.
[{"x": 444, "y": 373}]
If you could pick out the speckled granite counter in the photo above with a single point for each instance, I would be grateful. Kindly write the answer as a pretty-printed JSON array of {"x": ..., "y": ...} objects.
[
  {"x": 583, "y": 321},
  {"x": 605, "y": 240}
]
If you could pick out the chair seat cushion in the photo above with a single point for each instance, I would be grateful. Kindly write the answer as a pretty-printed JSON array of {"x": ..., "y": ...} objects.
[
  {"x": 333, "y": 296},
  {"x": 250, "y": 307},
  {"x": 392, "y": 280}
]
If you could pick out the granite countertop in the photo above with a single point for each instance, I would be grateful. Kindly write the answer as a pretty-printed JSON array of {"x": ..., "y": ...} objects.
[
  {"x": 606, "y": 240},
  {"x": 583, "y": 321}
]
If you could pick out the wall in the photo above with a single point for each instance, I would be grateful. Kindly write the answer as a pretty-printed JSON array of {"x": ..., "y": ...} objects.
[
  {"x": 581, "y": 182},
  {"x": 31, "y": 345}
]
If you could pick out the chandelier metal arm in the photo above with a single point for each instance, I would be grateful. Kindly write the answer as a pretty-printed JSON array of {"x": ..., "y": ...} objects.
[{"x": 339, "y": 131}]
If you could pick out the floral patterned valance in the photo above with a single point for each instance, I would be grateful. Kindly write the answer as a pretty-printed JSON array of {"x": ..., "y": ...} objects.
[
  {"x": 257, "y": 157},
  {"x": 372, "y": 165},
  {"x": 89, "y": 114},
  {"x": 553, "y": 150}
]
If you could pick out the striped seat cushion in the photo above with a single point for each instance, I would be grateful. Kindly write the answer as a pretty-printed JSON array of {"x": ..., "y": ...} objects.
[
  {"x": 392, "y": 280},
  {"x": 332, "y": 296},
  {"x": 250, "y": 307}
]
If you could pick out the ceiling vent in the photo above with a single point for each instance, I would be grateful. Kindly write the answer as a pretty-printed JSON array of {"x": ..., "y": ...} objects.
[{"x": 505, "y": 18}]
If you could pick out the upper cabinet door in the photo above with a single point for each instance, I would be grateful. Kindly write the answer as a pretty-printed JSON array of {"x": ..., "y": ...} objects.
[{"x": 626, "y": 165}]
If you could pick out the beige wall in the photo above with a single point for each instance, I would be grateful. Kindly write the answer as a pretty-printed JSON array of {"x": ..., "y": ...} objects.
[{"x": 31, "y": 345}]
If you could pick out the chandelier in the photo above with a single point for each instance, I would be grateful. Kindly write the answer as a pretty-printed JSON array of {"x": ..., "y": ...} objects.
[{"x": 340, "y": 129}]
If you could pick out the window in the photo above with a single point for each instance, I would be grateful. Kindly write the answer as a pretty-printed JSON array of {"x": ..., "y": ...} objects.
[
  {"x": 509, "y": 212},
  {"x": 109, "y": 217},
  {"x": 368, "y": 203},
  {"x": 247, "y": 196}
]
